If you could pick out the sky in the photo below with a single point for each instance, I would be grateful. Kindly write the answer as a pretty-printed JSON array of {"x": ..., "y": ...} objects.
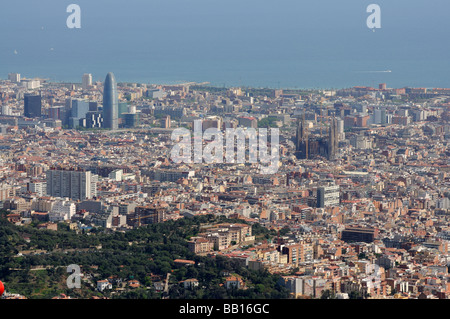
[{"x": 240, "y": 41}]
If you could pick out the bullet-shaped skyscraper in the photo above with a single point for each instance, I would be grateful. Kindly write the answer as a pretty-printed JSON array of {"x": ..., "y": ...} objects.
[{"x": 110, "y": 103}]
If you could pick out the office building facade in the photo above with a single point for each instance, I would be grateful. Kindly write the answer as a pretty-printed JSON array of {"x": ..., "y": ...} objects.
[
  {"x": 79, "y": 110},
  {"x": 328, "y": 196},
  {"x": 32, "y": 105},
  {"x": 359, "y": 234}
]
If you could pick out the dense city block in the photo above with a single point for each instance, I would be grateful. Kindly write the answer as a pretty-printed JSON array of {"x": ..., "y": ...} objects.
[{"x": 358, "y": 206}]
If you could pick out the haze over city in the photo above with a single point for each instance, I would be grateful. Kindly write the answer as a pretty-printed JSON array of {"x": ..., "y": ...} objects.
[{"x": 301, "y": 44}]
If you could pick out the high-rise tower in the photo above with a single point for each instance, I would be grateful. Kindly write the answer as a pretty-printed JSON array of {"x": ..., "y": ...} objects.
[
  {"x": 86, "y": 81},
  {"x": 32, "y": 105},
  {"x": 333, "y": 139},
  {"x": 302, "y": 140},
  {"x": 73, "y": 184},
  {"x": 110, "y": 103}
]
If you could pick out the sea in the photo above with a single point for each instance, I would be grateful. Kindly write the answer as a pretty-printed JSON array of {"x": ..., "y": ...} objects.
[{"x": 313, "y": 44}]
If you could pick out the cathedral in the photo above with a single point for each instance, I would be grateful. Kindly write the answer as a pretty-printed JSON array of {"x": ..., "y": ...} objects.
[{"x": 310, "y": 147}]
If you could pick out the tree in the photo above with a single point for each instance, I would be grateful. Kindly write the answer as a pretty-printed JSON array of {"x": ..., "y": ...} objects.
[
  {"x": 362, "y": 256},
  {"x": 355, "y": 295},
  {"x": 327, "y": 294},
  {"x": 147, "y": 255}
]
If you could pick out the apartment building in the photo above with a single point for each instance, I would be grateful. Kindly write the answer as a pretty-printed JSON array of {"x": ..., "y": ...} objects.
[{"x": 73, "y": 184}]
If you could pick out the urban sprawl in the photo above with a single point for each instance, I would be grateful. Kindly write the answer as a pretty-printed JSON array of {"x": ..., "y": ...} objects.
[{"x": 359, "y": 201}]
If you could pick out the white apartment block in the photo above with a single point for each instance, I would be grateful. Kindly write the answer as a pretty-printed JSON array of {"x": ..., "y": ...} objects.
[
  {"x": 39, "y": 188},
  {"x": 62, "y": 210}
]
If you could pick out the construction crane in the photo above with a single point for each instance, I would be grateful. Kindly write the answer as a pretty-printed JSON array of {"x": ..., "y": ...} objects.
[{"x": 141, "y": 217}]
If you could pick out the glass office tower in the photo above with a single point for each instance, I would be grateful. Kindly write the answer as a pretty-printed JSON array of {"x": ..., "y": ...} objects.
[
  {"x": 32, "y": 105},
  {"x": 110, "y": 103}
]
